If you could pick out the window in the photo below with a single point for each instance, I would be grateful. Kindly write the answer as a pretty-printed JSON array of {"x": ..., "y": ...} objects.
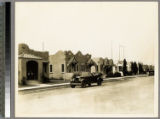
[
  {"x": 62, "y": 67},
  {"x": 77, "y": 67},
  {"x": 51, "y": 70},
  {"x": 120, "y": 68}
]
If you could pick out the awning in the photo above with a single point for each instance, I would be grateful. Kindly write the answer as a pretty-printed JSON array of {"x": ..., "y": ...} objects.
[{"x": 29, "y": 56}]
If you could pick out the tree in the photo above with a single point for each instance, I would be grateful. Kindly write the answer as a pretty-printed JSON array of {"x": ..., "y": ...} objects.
[
  {"x": 135, "y": 68},
  {"x": 132, "y": 67},
  {"x": 140, "y": 65},
  {"x": 124, "y": 67}
]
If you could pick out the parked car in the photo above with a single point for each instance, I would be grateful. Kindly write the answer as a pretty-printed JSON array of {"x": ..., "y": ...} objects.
[
  {"x": 151, "y": 73},
  {"x": 84, "y": 80}
]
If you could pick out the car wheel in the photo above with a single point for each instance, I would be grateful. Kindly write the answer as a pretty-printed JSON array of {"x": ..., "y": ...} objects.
[
  {"x": 73, "y": 86},
  {"x": 99, "y": 83},
  {"x": 89, "y": 84},
  {"x": 83, "y": 85}
]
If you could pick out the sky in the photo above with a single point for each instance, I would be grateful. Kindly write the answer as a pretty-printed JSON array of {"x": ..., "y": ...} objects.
[{"x": 97, "y": 28}]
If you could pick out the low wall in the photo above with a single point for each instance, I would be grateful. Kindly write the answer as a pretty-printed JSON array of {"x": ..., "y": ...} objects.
[
  {"x": 68, "y": 76},
  {"x": 55, "y": 76}
]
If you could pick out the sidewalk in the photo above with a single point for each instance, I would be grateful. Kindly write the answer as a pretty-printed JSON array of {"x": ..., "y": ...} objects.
[{"x": 60, "y": 85}]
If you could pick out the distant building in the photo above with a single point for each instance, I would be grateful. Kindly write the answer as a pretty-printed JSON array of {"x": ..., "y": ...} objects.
[
  {"x": 119, "y": 66},
  {"x": 109, "y": 66},
  {"x": 104, "y": 66},
  {"x": 129, "y": 69},
  {"x": 145, "y": 68},
  {"x": 151, "y": 68},
  {"x": 84, "y": 62},
  {"x": 64, "y": 63},
  {"x": 32, "y": 65},
  {"x": 100, "y": 64}
]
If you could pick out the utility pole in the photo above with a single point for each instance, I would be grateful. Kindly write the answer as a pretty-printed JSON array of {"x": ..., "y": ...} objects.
[
  {"x": 119, "y": 53},
  {"x": 121, "y": 47},
  {"x": 123, "y": 52},
  {"x": 111, "y": 50},
  {"x": 42, "y": 46}
]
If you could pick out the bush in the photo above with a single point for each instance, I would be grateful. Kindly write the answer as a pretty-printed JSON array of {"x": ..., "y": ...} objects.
[
  {"x": 24, "y": 82},
  {"x": 129, "y": 73},
  {"x": 117, "y": 74},
  {"x": 45, "y": 79},
  {"x": 110, "y": 74}
]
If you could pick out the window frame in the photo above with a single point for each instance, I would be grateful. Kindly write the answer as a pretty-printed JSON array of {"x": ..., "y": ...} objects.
[{"x": 51, "y": 68}]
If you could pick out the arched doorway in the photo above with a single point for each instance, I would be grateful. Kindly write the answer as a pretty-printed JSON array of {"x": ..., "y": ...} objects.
[
  {"x": 32, "y": 70},
  {"x": 93, "y": 69}
]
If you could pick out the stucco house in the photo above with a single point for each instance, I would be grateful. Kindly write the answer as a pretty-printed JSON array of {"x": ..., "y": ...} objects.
[
  {"x": 84, "y": 62},
  {"x": 104, "y": 65},
  {"x": 119, "y": 66},
  {"x": 64, "y": 64},
  {"x": 32, "y": 65},
  {"x": 129, "y": 69},
  {"x": 100, "y": 64},
  {"x": 109, "y": 66}
]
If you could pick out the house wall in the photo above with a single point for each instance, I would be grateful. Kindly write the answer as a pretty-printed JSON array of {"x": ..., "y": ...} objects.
[
  {"x": 93, "y": 69},
  {"x": 67, "y": 76},
  {"x": 114, "y": 69},
  {"x": 129, "y": 67},
  {"x": 56, "y": 61}
]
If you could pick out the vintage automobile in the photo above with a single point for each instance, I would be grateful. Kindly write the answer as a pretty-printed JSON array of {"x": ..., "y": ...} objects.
[
  {"x": 151, "y": 73},
  {"x": 84, "y": 80}
]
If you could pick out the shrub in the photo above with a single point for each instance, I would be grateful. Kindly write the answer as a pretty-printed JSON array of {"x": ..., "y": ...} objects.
[
  {"x": 45, "y": 79},
  {"x": 110, "y": 74},
  {"x": 24, "y": 82},
  {"x": 129, "y": 73},
  {"x": 117, "y": 74}
]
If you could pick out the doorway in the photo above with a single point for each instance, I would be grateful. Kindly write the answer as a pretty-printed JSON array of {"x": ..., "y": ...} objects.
[{"x": 32, "y": 70}]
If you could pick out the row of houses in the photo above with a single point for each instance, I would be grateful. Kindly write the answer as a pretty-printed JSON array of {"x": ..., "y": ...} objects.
[{"x": 33, "y": 65}]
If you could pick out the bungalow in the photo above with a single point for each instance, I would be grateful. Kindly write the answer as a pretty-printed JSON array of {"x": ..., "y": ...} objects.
[
  {"x": 99, "y": 62},
  {"x": 64, "y": 64},
  {"x": 109, "y": 66},
  {"x": 104, "y": 66},
  {"x": 32, "y": 65},
  {"x": 119, "y": 66}
]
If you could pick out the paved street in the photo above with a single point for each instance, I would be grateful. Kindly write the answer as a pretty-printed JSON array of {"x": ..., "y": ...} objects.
[{"x": 130, "y": 96}]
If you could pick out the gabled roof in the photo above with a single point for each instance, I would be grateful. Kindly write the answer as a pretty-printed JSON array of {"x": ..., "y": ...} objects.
[
  {"x": 98, "y": 60},
  {"x": 82, "y": 58},
  {"x": 72, "y": 61},
  {"x": 91, "y": 62}
]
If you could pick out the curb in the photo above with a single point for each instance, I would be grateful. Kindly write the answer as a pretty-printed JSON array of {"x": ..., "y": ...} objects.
[
  {"x": 43, "y": 87},
  {"x": 64, "y": 85}
]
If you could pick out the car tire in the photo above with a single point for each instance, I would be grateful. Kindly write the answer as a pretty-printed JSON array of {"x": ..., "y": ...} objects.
[
  {"x": 89, "y": 84},
  {"x": 73, "y": 86},
  {"x": 99, "y": 83},
  {"x": 83, "y": 85}
]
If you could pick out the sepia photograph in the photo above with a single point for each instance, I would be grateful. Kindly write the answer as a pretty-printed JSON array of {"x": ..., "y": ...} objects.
[{"x": 86, "y": 59}]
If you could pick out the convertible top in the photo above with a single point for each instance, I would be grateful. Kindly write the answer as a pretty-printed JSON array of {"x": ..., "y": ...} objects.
[{"x": 83, "y": 75}]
